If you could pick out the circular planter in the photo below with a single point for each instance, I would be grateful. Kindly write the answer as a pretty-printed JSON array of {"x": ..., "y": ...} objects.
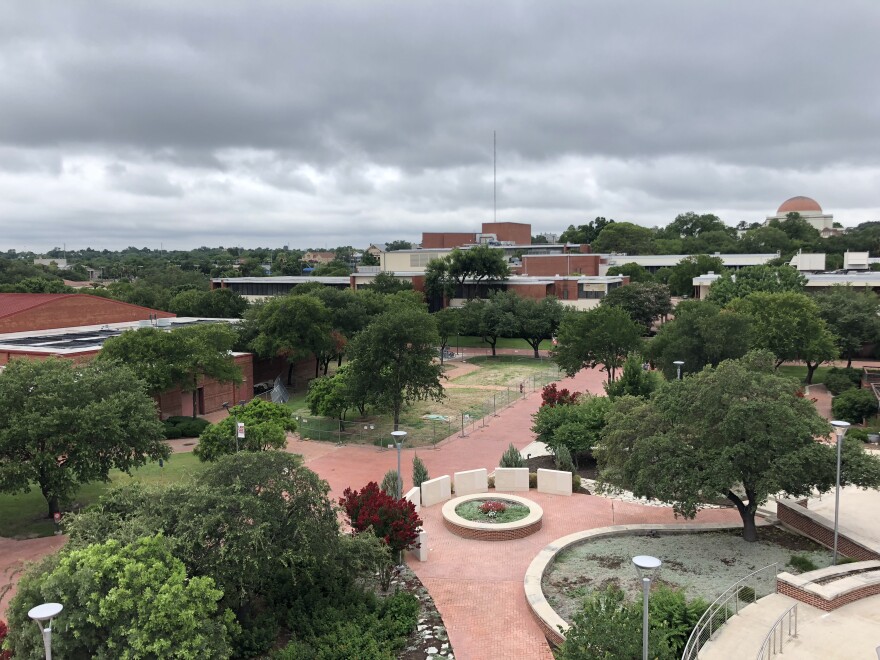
[{"x": 471, "y": 529}]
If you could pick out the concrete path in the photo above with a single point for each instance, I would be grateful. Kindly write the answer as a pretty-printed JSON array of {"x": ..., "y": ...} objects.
[{"x": 849, "y": 632}]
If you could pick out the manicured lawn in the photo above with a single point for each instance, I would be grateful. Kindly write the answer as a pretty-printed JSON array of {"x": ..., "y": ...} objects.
[
  {"x": 512, "y": 512},
  {"x": 23, "y": 516},
  {"x": 503, "y": 342},
  {"x": 800, "y": 373},
  {"x": 507, "y": 370}
]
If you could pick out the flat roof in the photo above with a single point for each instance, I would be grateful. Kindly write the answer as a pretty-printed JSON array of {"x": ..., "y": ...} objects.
[
  {"x": 86, "y": 338},
  {"x": 673, "y": 259},
  {"x": 283, "y": 279},
  {"x": 814, "y": 279}
]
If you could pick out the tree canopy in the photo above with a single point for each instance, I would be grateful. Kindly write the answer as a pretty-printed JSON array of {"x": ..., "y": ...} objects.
[
  {"x": 736, "y": 431},
  {"x": 624, "y": 237},
  {"x": 680, "y": 277},
  {"x": 754, "y": 279},
  {"x": 266, "y": 427},
  {"x": 852, "y": 315},
  {"x": 393, "y": 359},
  {"x": 63, "y": 425},
  {"x": 601, "y": 336},
  {"x": 465, "y": 271},
  {"x": 645, "y": 302}
]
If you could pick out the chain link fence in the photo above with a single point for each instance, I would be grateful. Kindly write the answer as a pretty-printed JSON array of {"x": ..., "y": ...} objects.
[{"x": 430, "y": 429}]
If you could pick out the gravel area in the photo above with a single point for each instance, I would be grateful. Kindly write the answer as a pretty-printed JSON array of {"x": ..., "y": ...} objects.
[{"x": 703, "y": 564}]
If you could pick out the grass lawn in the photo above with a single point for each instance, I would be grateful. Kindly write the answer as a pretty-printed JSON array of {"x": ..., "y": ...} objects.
[
  {"x": 506, "y": 370},
  {"x": 23, "y": 516},
  {"x": 799, "y": 373},
  {"x": 503, "y": 342}
]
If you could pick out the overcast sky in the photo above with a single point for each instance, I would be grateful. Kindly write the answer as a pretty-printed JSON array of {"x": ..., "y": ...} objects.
[{"x": 192, "y": 123}]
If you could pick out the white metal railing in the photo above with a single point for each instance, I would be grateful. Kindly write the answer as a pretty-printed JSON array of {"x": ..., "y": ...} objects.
[
  {"x": 769, "y": 648},
  {"x": 747, "y": 590}
]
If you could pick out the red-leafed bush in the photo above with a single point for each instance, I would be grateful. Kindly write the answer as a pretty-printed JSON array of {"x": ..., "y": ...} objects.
[
  {"x": 394, "y": 521},
  {"x": 551, "y": 396},
  {"x": 4, "y": 655}
]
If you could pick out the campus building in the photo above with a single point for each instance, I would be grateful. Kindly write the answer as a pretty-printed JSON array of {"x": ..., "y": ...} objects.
[{"x": 810, "y": 211}]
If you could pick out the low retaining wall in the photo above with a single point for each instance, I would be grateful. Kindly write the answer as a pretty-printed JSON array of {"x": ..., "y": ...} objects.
[
  {"x": 554, "y": 626},
  {"x": 832, "y": 587},
  {"x": 795, "y": 514}
]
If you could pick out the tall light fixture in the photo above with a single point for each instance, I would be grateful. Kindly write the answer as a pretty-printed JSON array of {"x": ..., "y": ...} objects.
[
  {"x": 839, "y": 431},
  {"x": 399, "y": 438},
  {"x": 42, "y": 615},
  {"x": 647, "y": 567},
  {"x": 678, "y": 364}
]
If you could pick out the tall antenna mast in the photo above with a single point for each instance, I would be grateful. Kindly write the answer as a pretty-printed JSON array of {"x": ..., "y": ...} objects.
[{"x": 494, "y": 178}]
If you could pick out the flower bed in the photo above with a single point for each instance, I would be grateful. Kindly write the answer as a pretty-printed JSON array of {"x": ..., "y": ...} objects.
[
  {"x": 488, "y": 527},
  {"x": 492, "y": 511}
]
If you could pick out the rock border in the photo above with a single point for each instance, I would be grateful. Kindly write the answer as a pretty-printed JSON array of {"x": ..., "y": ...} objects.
[{"x": 471, "y": 529}]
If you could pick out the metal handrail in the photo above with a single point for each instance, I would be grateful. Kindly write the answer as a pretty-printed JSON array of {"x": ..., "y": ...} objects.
[
  {"x": 768, "y": 648},
  {"x": 717, "y": 614}
]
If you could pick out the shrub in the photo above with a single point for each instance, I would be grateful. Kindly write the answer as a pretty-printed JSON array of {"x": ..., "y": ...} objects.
[
  {"x": 858, "y": 434},
  {"x": 389, "y": 483},
  {"x": 172, "y": 432},
  {"x": 746, "y": 594},
  {"x": 551, "y": 396},
  {"x": 394, "y": 521},
  {"x": 512, "y": 458},
  {"x": 854, "y": 405},
  {"x": 266, "y": 427},
  {"x": 492, "y": 481},
  {"x": 533, "y": 479},
  {"x": 420, "y": 472},
  {"x": 563, "y": 459},
  {"x": 193, "y": 428},
  {"x": 575, "y": 483},
  {"x": 802, "y": 563},
  {"x": 670, "y": 610},
  {"x": 838, "y": 383}
]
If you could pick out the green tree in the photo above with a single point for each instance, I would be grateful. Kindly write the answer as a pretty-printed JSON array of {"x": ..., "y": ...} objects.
[
  {"x": 635, "y": 380},
  {"x": 398, "y": 245},
  {"x": 692, "y": 224},
  {"x": 584, "y": 233},
  {"x": 790, "y": 327},
  {"x": 576, "y": 426},
  {"x": 635, "y": 272},
  {"x": 511, "y": 458},
  {"x": 368, "y": 259},
  {"x": 796, "y": 228},
  {"x": 386, "y": 282},
  {"x": 293, "y": 326},
  {"x": 123, "y": 601},
  {"x": 625, "y": 237},
  {"x": 755, "y": 279},
  {"x": 393, "y": 358},
  {"x": 645, "y": 302},
  {"x": 216, "y": 304},
  {"x": 766, "y": 239},
  {"x": 204, "y": 351},
  {"x": 736, "y": 431},
  {"x": 448, "y": 324},
  {"x": 63, "y": 425},
  {"x": 489, "y": 319},
  {"x": 701, "y": 333},
  {"x": 420, "y": 472},
  {"x": 532, "y": 320},
  {"x": 151, "y": 352},
  {"x": 852, "y": 315},
  {"x": 266, "y": 427},
  {"x": 335, "y": 268},
  {"x": 465, "y": 270},
  {"x": 681, "y": 275},
  {"x": 601, "y": 336}
]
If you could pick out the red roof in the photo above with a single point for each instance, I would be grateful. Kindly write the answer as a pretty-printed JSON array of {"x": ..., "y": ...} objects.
[{"x": 13, "y": 303}]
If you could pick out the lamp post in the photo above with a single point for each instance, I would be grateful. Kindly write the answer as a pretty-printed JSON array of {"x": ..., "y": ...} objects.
[
  {"x": 399, "y": 438},
  {"x": 678, "y": 364},
  {"x": 225, "y": 405},
  {"x": 42, "y": 615},
  {"x": 840, "y": 431},
  {"x": 647, "y": 567}
]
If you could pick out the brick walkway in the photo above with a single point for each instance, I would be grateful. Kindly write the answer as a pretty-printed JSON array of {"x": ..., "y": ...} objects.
[{"x": 477, "y": 585}]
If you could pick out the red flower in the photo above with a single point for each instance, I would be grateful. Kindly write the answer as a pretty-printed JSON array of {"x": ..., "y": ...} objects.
[{"x": 395, "y": 521}]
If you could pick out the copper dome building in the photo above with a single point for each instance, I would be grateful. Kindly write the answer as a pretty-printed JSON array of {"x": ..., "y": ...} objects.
[{"x": 810, "y": 210}]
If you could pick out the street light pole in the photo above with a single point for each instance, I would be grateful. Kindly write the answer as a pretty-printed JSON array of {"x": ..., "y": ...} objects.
[
  {"x": 399, "y": 438},
  {"x": 42, "y": 615},
  {"x": 678, "y": 364},
  {"x": 839, "y": 431},
  {"x": 647, "y": 567}
]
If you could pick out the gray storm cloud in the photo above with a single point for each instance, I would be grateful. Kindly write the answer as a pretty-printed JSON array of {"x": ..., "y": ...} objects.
[{"x": 323, "y": 122}]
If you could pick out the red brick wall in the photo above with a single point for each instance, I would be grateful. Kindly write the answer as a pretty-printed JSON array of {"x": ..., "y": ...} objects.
[
  {"x": 446, "y": 239},
  {"x": 561, "y": 287},
  {"x": 76, "y": 310},
  {"x": 177, "y": 402},
  {"x": 815, "y": 600},
  {"x": 493, "y": 534},
  {"x": 518, "y": 232},
  {"x": 808, "y": 527},
  {"x": 563, "y": 264}
]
